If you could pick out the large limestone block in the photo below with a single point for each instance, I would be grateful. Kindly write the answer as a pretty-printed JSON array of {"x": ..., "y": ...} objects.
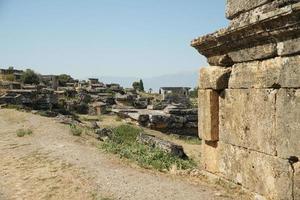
[
  {"x": 210, "y": 156},
  {"x": 273, "y": 9},
  {"x": 247, "y": 119},
  {"x": 266, "y": 175},
  {"x": 253, "y": 53},
  {"x": 209, "y": 115},
  {"x": 214, "y": 77},
  {"x": 289, "y": 47},
  {"x": 297, "y": 181},
  {"x": 271, "y": 73},
  {"x": 235, "y": 7},
  {"x": 288, "y": 123}
]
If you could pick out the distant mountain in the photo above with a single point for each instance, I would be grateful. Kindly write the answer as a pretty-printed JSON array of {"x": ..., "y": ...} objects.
[{"x": 185, "y": 79}]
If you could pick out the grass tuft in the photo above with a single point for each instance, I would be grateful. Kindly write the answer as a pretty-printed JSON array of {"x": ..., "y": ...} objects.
[
  {"x": 76, "y": 131},
  {"x": 23, "y": 132},
  {"x": 125, "y": 145}
]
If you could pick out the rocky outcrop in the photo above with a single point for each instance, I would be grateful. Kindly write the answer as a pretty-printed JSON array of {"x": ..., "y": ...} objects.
[
  {"x": 249, "y": 102},
  {"x": 37, "y": 99}
]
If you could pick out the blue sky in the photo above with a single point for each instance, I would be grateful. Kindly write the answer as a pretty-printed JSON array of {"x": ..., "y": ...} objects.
[{"x": 106, "y": 37}]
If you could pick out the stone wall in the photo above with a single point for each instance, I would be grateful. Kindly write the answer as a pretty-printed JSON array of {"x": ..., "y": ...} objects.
[{"x": 249, "y": 98}]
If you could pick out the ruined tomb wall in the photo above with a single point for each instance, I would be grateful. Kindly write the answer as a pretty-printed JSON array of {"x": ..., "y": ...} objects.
[
  {"x": 249, "y": 98},
  {"x": 251, "y": 133}
]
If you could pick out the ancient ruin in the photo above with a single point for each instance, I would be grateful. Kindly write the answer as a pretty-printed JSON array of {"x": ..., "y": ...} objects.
[
  {"x": 169, "y": 112},
  {"x": 249, "y": 98}
]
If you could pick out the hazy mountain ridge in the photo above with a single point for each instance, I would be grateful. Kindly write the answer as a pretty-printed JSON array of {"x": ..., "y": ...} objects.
[{"x": 186, "y": 79}]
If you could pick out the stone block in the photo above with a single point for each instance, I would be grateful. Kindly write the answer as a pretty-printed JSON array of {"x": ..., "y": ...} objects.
[
  {"x": 247, "y": 119},
  {"x": 209, "y": 115},
  {"x": 297, "y": 181},
  {"x": 210, "y": 156},
  {"x": 220, "y": 60},
  {"x": 236, "y": 7},
  {"x": 265, "y": 12},
  {"x": 288, "y": 123},
  {"x": 253, "y": 53},
  {"x": 272, "y": 73},
  {"x": 214, "y": 77},
  {"x": 266, "y": 175},
  {"x": 290, "y": 72},
  {"x": 289, "y": 47}
]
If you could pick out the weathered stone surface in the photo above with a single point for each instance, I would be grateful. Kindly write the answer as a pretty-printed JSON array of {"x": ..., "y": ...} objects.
[
  {"x": 240, "y": 41},
  {"x": 66, "y": 120},
  {"x": 288, "y": 123},
  {"x": 214, "y": 77},
  {"x": 288, "y": 47},
  {"x": 140, "y": 103},
  {"x": 209, "y": 115},
  {"x": 272, "y": 73},
  {"x": 253, "y": 53},
  {"x": 297, "y": 181},
  {"x": 220, "y": 60},
  {"x": 264, "y": 12},
  {"x": 104, "y": 134},
  {"x": 210, "y": 156},
  {"x": 247, "y": 119},
  {"x": 235, "y": 7},
  {"x": 166, "y": 146},
  {"x": 266, "y": 175},
  {"x": 259, "y": 114}
]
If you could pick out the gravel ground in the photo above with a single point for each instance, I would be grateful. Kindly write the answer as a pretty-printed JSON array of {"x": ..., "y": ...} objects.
[{"x": 53, "y": 164}]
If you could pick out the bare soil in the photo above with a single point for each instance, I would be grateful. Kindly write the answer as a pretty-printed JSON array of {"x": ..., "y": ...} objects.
[{"x": 53, "y": 164}]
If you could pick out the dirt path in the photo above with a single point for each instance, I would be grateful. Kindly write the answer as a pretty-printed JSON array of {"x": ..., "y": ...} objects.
[{"x": 53, "y": 164}]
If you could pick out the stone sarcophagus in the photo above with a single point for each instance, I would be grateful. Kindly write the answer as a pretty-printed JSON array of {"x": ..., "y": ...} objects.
[{"x": 249, "y": 98}]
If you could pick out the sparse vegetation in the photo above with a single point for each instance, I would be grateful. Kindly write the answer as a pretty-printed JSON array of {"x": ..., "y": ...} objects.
[
  {"x": 124, "y": 144},
  {"x": 138, "y": 85},
  {"x": 9, "y": 77},
  {"x": 16, "y": 107},
  {"x": 30, "y": 77},
  {"x": 194, "y": 93},
  {"x": 23, "y": 132},
  {"x": 63, "y": 79},
  {"x": 75, "y": 130}
]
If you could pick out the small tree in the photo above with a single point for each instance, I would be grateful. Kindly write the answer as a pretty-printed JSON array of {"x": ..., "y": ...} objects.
[
  {"x": 63, "y": 79},
  {"x": 141, "y": 86},
  {"x": 194, "y": 93},
  {"x": 136, "y": 85},
  {"x": 30, "y": 77}
]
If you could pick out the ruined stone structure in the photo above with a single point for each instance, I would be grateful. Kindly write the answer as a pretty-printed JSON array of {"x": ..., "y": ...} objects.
[
  {"x": 175, "y": 94},
  {"x": 249, "y": 98}
]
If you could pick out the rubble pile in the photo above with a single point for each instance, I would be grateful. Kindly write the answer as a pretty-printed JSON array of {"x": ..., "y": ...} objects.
[
  {"x": 63, "y": 94},
  {"x": 173, "y": 119}
]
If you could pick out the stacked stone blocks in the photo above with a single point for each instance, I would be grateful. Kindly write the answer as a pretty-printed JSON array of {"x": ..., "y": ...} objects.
[{"x": 249, "y": 99}]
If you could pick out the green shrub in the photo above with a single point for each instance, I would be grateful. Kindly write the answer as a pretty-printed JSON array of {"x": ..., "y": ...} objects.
[
  {"x": 23, "y": 132},
  {"x": 82, "y": 108},
  {"x": 30, "y": 77},
  {"x": 16, "y": 107},
  {"x": 63, "y": 79},
  {"x": 76, "y": 131},
  {"x": 125, "y": 145}
]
